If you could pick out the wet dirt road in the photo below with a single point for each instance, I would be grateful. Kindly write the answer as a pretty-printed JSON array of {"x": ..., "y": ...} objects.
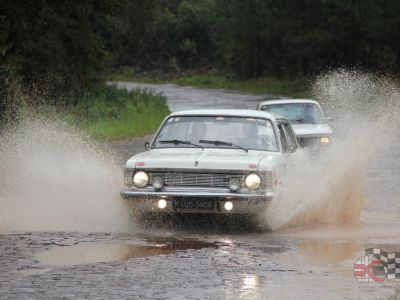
[{"x": 197, "y": 259}]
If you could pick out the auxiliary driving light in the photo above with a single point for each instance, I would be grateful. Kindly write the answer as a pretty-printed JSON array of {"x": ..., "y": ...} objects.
[
  {"x": 141, "y": 179},
  {"x": 325, "y": 140},
  {"x": 234, "y": 184},
  {"x": 162, "y": 204},
  {"x": 228, "y": 205},
  {"x": 157, "y": 182},
  {"x": 253, "y": 181}
]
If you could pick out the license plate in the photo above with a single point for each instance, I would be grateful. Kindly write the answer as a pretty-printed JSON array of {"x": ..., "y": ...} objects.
[{"x": 196, "y": 204}]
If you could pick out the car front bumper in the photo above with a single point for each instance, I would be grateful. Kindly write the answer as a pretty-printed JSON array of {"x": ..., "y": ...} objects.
[{"x": 147, "y": 201}]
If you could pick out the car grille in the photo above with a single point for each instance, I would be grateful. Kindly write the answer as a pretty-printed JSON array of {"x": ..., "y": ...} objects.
[
  {"x": 199, "y": 179},
  {"x": 308, "y": 141},
  {"x": 196, "y": 179}
]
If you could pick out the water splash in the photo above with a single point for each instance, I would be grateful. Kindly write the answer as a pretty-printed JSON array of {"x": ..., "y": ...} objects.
[
  {"x": 53, "y": 179},
  {"x": 331, "y": 189}
]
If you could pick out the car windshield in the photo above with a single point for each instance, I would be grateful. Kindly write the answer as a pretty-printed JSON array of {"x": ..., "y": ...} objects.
[
  {"x": 297, "y": 113},
  {"x": 217, "y": 132}
]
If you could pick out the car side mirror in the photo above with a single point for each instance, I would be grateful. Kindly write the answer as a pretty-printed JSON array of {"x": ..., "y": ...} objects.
[{"x": 147, "y": 146}]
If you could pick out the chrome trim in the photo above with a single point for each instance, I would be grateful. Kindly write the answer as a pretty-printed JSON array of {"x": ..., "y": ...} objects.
[
  {"x": 196, "y": 179},
  {"x": 266, "y": 177},
  {"x": 316, "y": 135},
  {"x": 196, "y": 170},
  {"x": 135, "y": 193}
]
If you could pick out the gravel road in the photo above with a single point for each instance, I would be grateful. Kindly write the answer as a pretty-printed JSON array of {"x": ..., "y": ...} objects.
[{"x": 200, "y": 258}]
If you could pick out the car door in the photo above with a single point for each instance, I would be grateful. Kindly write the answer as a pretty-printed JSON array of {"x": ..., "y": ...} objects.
[
  {"x": 294, "y": 162},
  {"x": 290, "y": 145}
]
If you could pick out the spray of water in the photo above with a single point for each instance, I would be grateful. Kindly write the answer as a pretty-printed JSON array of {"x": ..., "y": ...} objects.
[
  {"x": 330, "y": 189},
  {"x": 53, "y": 179}
]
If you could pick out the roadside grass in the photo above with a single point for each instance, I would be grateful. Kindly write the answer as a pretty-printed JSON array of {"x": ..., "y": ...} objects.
[
  {"x": 298, "y": 87},
  {"x": 289, "y": 87},
  {"x": 110, "y": 113}
]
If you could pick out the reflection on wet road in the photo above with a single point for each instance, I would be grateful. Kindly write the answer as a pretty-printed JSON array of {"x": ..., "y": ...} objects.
[
  {"x": 94, "y": 253},
  {"x": 185, "y": 264},
  {"x": 158, "y": 263}
]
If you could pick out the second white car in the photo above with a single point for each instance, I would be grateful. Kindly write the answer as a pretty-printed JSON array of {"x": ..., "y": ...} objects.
[{"x": 306, "y": 117}]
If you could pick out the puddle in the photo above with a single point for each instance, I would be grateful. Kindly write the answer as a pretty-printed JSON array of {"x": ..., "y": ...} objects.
[
  {"x": 328, "y": 252},
  {"x": 331, "y": 255},
  {"x": 95, "y": 253}
]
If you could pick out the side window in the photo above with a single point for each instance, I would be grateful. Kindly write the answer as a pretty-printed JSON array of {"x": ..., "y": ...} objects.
[
  {"x": 282, "y": 136},
  {"x": 287, "y": 138},
  {"x": 290, "y": 137}
]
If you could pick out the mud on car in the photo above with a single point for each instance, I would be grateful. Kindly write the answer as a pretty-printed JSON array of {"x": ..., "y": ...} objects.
[{"x": 211, "y": 162}]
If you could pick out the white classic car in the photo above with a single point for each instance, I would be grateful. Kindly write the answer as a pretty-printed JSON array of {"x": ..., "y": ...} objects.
[
  {"x": 211, "y": 161},
  {"x": 305, "y": 116}
]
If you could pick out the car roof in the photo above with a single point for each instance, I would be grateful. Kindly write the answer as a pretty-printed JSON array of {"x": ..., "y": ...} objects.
[
  {"x": 228, "y": 112},
  {"x": 287, "y": 101}
]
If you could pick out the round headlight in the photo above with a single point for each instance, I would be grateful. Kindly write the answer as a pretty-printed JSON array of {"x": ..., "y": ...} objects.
[
  {"x": 141, "y": 179},
  {"x": 157, "y": 182},
  {"x": 234, "y": 184},
  {"x": 253, "y": 181}
]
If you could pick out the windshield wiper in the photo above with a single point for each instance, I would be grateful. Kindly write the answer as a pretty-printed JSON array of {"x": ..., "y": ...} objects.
[
  {"x": 299, "y": 121},
  {"x": 180, "y": 142},
  {"x": 222, "y": 143}
]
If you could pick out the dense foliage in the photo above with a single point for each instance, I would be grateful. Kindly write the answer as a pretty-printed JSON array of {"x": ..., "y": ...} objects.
[
  {"x": 265, "y": 37},
  {"x": 65, "y": 47},
  {"x": 52, "y": 51}
]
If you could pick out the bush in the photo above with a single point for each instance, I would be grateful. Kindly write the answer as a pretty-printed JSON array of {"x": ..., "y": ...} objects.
[{"x": 112, "y": 113}]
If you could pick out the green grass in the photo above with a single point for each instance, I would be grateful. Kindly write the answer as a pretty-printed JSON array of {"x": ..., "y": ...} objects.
[
  {"x": 264, "y": 85},
  {"x": 110, "y": 113},
  {"x": 290, "y": 87}
]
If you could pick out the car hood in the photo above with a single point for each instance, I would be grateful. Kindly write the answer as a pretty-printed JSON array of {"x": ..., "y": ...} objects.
[
  {"x": 311, "y": 129},
  {"x": 228, "y": 159}
]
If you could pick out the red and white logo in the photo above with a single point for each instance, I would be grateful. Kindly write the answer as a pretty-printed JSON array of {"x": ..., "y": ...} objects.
[{"x": 365, "y": 269}]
